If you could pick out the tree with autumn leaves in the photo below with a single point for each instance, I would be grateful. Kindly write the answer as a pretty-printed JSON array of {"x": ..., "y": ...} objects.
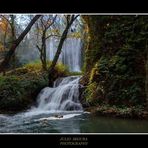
[
  {"x": 43, "y": 24},
  {"x": 15, "y": 43}
]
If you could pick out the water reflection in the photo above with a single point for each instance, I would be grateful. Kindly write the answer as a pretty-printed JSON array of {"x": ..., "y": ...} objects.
[
  {"x": 95, "y": 124},
  {"x": 80, "y": 123}
]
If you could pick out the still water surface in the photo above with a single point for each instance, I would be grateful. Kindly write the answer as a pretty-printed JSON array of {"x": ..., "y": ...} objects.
[{"x": 69, "y": 122}]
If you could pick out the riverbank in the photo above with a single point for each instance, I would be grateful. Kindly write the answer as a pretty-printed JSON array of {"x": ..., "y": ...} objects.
[
  {"x": 136, "y": 112},
  {"x": 19, "y": 88}
]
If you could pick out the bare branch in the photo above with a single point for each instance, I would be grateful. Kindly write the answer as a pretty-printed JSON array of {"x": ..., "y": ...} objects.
[
  {"x": 68, "y": 19},
  {"x": 53, "y": 35},
  {"x": 38, "y": 48},
  {"x": 51, "y": 22},
  {"x": 73, "y": 18},
  {"x": 42, "y": 23},
  {"x": 76, "y": 17}
]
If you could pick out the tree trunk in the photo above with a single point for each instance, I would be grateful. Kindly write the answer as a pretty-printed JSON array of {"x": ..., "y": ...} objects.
[
  {"x": 44, "y": 63},
  {"x": 53, "y": 64},
  {"x": 13, "y": 33},
  {"x": 64, "y": 35},
  {"x": 10, "y": 53},
  {"x": 59, "y": 49},
  {"x": 42, "y": 51}
]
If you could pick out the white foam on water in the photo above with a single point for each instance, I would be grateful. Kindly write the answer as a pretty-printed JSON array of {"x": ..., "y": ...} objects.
[
  {"x": 64, "y": 96},
  {"x": 58, "y": 118}
]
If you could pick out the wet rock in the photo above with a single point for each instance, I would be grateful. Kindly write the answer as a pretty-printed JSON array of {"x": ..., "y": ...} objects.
[{"x": 58, "y": 116}]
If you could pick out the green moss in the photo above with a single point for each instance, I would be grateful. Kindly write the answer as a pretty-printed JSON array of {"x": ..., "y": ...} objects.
[
  {"x": 115, "y": 59},
  {"x": 75, "y": 73},
  {"x": 94, "y": 73},
  {"x": 122, "y": 112},
  {"x": 90, "y": 91},
  {"x": 19, "y": 88},
  {"x": 17, "y": 93},
  {"x": 61, "y": 69}
]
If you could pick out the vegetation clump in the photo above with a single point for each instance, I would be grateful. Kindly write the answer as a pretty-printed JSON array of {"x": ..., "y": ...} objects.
[
  {"x": 115, "y": 60},
  {"x": 20, "y": 87},
  {"x": 136, "y": 112}
]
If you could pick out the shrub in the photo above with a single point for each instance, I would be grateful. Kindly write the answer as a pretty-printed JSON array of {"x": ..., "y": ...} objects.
[{"x": 19, "y": 88}]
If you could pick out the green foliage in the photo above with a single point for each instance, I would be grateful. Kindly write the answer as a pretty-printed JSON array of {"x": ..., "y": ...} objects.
[
  {"x": 16, "y": 93},
  {"x": 19, "y": 88},
  {"x": 90, "y": 91},
  {"x": 94, "y": 35},
  {"x": 122, "y": 111},
  {"x": 93, "y": 93},
  {"x": 115, "y": 59},
  {"x": 75, "y": 35},
  {"x": 61, "y": 69},
  {"x": 36, "y": 68},
  {"x": 94, "y": 73},
  {"x": 75, "y": 73}
]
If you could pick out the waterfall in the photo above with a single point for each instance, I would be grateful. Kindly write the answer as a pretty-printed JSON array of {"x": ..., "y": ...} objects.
[
  {"x": 70, "y": 55},
  {"x": 58, "y": 109},
  {"x": 64, "y": 96},
  {"x": 71, "y": 52}
]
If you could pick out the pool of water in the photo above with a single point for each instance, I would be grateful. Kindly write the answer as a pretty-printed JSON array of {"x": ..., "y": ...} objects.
[{"x": 69, "y": 122}]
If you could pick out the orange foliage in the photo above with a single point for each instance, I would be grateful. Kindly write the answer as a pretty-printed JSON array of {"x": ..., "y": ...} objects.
[
  {"x": 4, "y": 31},
  {"x": 3, "y": 25}
]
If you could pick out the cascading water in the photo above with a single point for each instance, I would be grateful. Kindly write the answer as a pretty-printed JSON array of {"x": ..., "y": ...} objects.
[
  {"x": 58, "y": 103},
  {"x": 71, "y": 52},
  {"x": 64, "y": 96}
]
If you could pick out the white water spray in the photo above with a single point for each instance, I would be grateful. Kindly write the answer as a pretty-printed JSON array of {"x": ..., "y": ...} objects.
[{"x": 64, "y": 96}]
